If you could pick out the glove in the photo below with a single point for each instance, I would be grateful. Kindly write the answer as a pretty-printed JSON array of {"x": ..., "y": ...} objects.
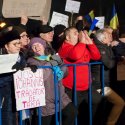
[
  {"x": 18, "y": 66},
  {"x": 56, "y": 60},
  {"x": 59, "y": 72},
  {"x": 32, "y": 67}
]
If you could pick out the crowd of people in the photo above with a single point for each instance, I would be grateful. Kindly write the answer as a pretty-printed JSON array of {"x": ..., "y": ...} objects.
[{"x": 43, "y": 45}]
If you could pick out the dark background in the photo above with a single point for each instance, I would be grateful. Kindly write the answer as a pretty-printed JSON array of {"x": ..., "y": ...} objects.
[{"x": 100, "y": 7}]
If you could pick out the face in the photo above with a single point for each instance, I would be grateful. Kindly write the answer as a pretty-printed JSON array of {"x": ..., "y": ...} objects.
[
  {"x": 72, "y": 36},
  {"x": 24, "y": 40},
  {"x": 38, "y": 48},
  {"x": 107, "y": 39},
  {"x": 109, "y": 31},
  {"x": 48, "y": 37},
  {"x": 13, "y": 46}
]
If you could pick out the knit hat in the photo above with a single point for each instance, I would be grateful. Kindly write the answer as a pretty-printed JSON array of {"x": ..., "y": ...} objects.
[
  {"x": 37, "y": 40},
  {"x": 45, "y": 29},
  {"x": 58, "y": 29},
  {"x": 7, "y": 35},
  {"x": 20, "y": 29}
]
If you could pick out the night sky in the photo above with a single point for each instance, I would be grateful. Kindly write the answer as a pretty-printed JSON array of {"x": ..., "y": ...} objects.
[{"x": 100, "y": 7}]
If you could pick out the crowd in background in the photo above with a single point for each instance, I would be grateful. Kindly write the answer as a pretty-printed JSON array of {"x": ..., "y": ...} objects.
[{"x": 42, "y": 45}]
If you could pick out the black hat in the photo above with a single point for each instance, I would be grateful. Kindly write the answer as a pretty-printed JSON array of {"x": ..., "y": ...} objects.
[
  {"x": 45, "y": 29},
  {"x": 20, "y": 29},
  {"x": 58, "y": 29},
  {"x": 7, "y": 35}
]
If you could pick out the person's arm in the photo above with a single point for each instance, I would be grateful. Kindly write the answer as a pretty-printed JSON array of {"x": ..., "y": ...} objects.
[
  {"x": 94, "y": 52},
  {"x": 122, "y": 40},
  {"x": 107, "y": 58}
]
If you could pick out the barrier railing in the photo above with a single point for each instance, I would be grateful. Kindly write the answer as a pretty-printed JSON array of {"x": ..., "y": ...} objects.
[
  {"x": 90, "y": 87},
  {"x": 58, "y": 119}
]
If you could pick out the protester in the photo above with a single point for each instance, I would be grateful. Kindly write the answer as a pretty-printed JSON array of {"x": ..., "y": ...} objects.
[
  {"x": 58, "y": 36},
  {"x": 41, "y": 59},
  {"x": 9, "y": 45},
  {"x": 79, "y": 48},
  {"x": 103, "y": 42},
  {"x": 46, "y": 33}
]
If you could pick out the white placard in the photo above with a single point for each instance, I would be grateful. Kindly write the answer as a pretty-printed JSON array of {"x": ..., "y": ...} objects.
[
  {"x": 7, "y": 61},
  {"x": 29, "y": 89},
  {"x": 101, "y": 21},
  {"x": 58, "y": 18},
  {"x": 17, "y": 8},
  {"x": 72, "y": 6}
]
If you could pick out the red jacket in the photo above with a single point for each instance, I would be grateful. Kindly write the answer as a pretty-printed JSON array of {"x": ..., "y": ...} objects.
[{"x": 80, "y": 53}]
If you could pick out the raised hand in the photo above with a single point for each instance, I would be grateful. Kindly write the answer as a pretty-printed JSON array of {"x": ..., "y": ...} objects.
[{"x": 24, "y": 20}]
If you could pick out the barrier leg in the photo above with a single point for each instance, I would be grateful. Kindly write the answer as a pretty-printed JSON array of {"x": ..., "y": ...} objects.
[
  {"x": 0, "y": 111},
  {"x": 90, "y": 97}
]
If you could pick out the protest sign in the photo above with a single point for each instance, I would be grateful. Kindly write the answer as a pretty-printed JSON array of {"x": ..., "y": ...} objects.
[
  {"x": 17, "y": 8},
  {"x": 58, "y": 18},
  {"x": 101, "y": 21},
  {"x": 7, "y": 61},
  {"x": 29, "y": 89},
  {"x": 72, "y": 6}
]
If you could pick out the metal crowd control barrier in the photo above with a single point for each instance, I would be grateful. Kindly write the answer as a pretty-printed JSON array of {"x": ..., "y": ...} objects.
[
  {"x": 90, "y": 87},
  {"x": 57, "y": 94}
]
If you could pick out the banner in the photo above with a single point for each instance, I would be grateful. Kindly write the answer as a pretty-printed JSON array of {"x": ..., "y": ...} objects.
[
  {"x": 17, "y": 8},
  {"x": 29, "y": 89},
  {"x": 7, "y": 61},
  {"x": 59, "y": 18}
]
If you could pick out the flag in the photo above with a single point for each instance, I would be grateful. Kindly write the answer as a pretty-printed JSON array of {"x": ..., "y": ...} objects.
[
  {"x": 114, "y": 19},
  {"x": 92, "y": 25},
  {"x": 89, "y": 17}
]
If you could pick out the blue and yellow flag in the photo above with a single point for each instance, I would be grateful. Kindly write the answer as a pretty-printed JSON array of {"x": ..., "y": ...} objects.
[
  {"x": 114, "y": 23},
  {"x": 89, "y": 17},
  {"x": 92, "y": 25}
]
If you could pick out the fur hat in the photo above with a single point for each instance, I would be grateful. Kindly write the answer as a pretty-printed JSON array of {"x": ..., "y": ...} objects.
[
  {"x": 45, "y": 29},
  {"x": 37, "y": 40},
  {"x": 58, "y": 29},
  {"x": 7, "y": 35},
  {"x": 20, "y": 29}
]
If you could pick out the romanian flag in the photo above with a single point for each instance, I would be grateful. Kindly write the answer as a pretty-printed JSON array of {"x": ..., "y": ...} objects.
[
  {"x": 114, "y": 20},
  {"x": 89, "y": 17}
]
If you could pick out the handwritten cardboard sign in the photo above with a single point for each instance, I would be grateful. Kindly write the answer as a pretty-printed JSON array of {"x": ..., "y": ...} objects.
[
  {"x": 58, "y": 18},
  {"x": 29, "y": 89},
  {"x": 101, "y": 21},
  {"x": 72, "y": 6},
  {"x": 17, "y": 8},
  {"x": 7, "y": 61}
]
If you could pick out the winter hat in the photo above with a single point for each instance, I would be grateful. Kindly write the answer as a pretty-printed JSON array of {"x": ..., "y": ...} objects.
[
  {"x": 79, "y": 25},
  {"x": 20, "y": 29},
  {"x": 45, "y": 29},
  {"x": 58, "y": 29},
  {"x": 7, "y": 35},
  {"x": 37, "y": 40}
]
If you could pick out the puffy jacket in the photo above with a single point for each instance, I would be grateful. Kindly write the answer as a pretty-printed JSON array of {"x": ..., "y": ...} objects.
[
  {"x": 80, "y": 53},
  {"x": 49, "y": 108}
]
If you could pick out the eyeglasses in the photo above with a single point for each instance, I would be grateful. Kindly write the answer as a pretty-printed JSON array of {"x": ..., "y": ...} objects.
[
  {"x": 25, "y": 35},
  {"x": 14, "y": 43}
]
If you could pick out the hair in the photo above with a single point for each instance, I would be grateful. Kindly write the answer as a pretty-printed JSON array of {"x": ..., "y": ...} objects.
[
  {"x": 100, "y": 35},
  {"x": 108, "y": 27},
  {"x": 67, "y": 31}
]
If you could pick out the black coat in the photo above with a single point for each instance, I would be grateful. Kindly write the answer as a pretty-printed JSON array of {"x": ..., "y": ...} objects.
[
  {"x": 119, "y": 50},
  {"x": 108, "y": 59}
]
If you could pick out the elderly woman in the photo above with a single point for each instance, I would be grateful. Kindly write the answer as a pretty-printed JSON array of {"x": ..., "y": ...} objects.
[{"x": 40, "y": 59}]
